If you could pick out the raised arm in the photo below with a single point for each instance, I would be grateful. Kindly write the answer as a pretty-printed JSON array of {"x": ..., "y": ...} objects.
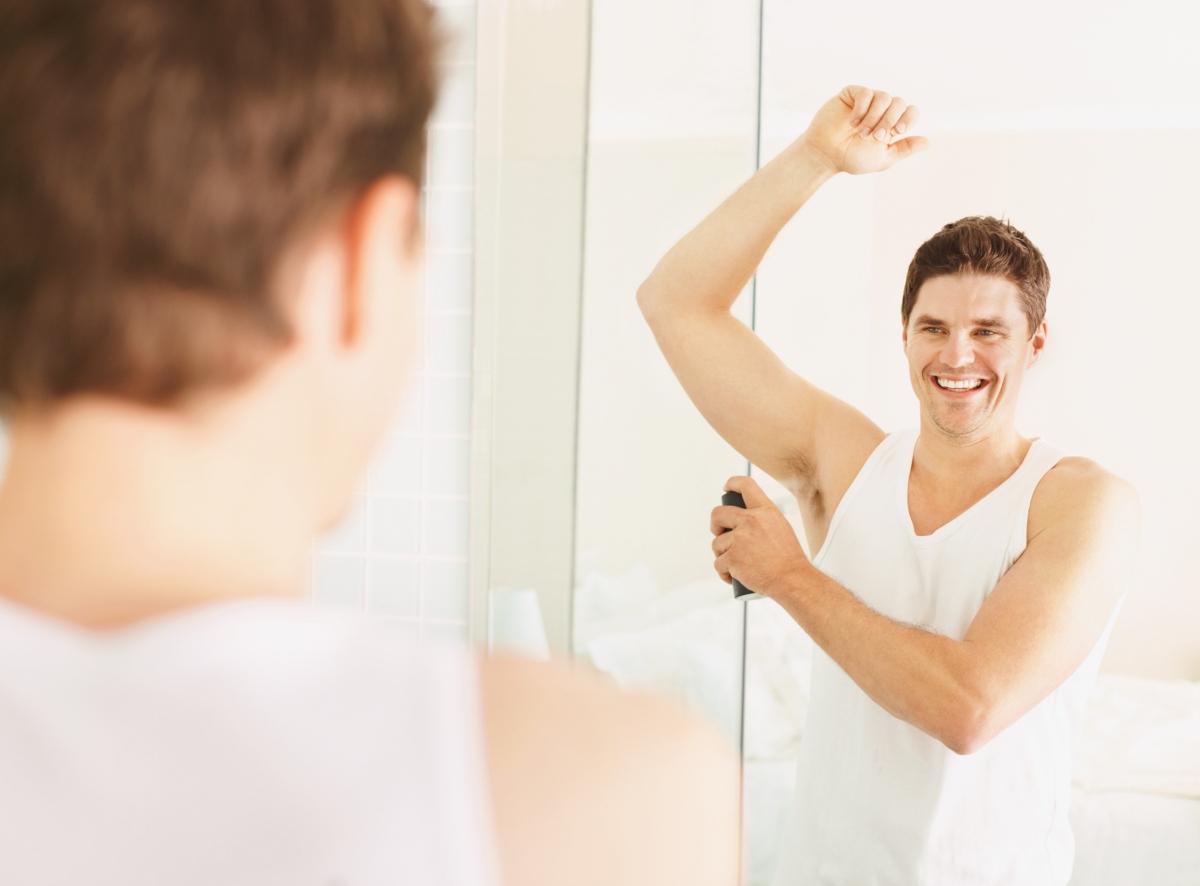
[{"x": 780, "y": 422}]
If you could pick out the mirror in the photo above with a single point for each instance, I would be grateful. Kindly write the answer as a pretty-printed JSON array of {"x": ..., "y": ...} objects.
[
  {"x": 1059, "y": 122},
  {"x": 1081, "y": 130},
  {"x": 672, "y": 126}
]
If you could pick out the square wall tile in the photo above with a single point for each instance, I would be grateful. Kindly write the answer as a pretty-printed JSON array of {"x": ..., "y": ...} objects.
[
  {"x": 449, "y": 342},
  {"x": 451, "y": 157},
  {"x": 449, "y": 405},
  {"x": 395, "y": 588},
  {"x": 395, "y": 525},
  {"x": 449, "y": 279},
  {"x": 445, "y": 589},
  {"x": 446, "y": 527},
  {"x": 447, "y": 466},
  {"x": 450, "y": 219}
]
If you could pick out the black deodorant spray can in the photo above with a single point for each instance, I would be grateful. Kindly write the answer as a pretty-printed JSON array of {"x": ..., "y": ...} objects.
[{"x": 735, "y": 499}]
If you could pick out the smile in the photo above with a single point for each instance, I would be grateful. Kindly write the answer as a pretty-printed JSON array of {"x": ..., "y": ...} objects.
[{"x": 959, "y": 387}]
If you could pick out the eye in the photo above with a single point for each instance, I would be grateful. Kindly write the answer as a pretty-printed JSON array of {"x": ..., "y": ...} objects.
[
  {"x": 990, "y": 332},
  {"x": 932, "y": 329}
]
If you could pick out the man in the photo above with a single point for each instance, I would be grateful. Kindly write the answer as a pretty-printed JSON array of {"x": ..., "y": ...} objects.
[
  {"x": 210, "y": 276},
  {"x": 966, "y": 576}
]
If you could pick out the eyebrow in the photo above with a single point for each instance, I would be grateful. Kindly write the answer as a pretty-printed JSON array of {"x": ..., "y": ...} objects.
[{"x": 991, "y": 322}]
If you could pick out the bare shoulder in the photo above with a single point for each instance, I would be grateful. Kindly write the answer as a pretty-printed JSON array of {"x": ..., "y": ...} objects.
[
  {"x": 1083, "y": 492},
  {"x": 591, "y": 784}
]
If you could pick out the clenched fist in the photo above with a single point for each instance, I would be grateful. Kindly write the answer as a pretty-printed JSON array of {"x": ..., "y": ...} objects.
[
  {"x": 756, "y": 544},
  {"x": 860, "y": 129}
]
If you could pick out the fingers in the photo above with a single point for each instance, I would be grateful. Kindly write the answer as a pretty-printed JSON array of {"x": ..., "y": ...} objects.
[
  {"x": 883, "y": 131},
  {"x": 879, "y": 105},
  {"x": 724, "y": 518},
  {"x": 751, "y": 492},
  {"x": 858, "y": 98},
  {"x": 722, "y": 543},
  {"x": 722, "y": 568},
  {"x": 906, "y": 147},
  {"x": 907, "y": 120},
  {"x": 878, "y": 114}
]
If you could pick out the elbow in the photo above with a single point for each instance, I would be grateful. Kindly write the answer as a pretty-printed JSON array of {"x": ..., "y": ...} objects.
[
  {"x": 969, "y": 716},
  {"x": 963, "y": 742},
  {"x": 969, "y": 729},
  {"x": 971, "y": 708},
  {"x": 648, "y": 299},
  {"x": 657, "y": 296}
]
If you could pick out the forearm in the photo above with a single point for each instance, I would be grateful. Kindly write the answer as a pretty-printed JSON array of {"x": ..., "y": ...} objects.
[
  {"x": 923, "y": 678},
  {"x": 709, "y": 267}
]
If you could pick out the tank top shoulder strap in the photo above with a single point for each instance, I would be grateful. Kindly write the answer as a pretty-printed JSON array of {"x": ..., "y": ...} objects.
[{"x": 1040, "y": 458}]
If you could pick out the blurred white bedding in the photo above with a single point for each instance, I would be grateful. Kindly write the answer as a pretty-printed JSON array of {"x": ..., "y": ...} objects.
[
  {"x": 1127, "y": 838},
  {"x": 1122, "y": 838},
  {"x": 1141, "y": 735},
  {"x": 685, "y": 643},
  {"x": 1136, "y": 797},
  {"x": 1135, "y": 805}
]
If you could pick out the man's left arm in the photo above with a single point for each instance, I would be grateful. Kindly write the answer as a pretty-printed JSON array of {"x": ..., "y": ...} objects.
[{"x": 1033, "y": 630}]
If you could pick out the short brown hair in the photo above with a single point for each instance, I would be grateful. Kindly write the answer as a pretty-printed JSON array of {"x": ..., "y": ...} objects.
[
  {"x": 981, "y": 245},
  {"x": 157, "y": 158}
]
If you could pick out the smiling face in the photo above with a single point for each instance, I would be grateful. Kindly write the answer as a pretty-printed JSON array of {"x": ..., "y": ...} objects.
[{"x": 968, "y": 346}]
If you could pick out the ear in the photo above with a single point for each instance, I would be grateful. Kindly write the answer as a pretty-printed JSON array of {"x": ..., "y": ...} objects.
[
  {"x": 904, "y": 332},
  {"x": 1038, "y": 342},
  {"x": 381, "y": 238}
]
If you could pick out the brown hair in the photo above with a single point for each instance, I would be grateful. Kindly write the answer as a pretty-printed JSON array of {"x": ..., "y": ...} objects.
[
  {"x": 981, "y": 245},
  {"x": 157, "y": 159}
]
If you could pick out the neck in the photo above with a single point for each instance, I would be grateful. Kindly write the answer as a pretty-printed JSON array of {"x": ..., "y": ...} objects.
[
  {"x": 111, "y": 513},
  {"x": 973, "y": 460}
]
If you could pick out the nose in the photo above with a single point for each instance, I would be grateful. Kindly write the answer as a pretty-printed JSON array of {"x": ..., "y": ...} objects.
[{"x": 959, "y": 350}]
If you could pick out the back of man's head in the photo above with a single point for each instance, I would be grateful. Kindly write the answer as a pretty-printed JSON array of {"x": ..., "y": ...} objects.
[{"x": 157, "y": 160}]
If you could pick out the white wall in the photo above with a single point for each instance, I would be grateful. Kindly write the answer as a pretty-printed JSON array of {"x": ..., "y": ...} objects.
[{"x": 673, "y": 109}]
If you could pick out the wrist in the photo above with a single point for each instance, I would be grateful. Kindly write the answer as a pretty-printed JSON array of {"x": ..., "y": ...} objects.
[
  {"x": 795, "y": 175},
  {"x": 815, "y": 163},
  {"x": 796, "y": 582}
]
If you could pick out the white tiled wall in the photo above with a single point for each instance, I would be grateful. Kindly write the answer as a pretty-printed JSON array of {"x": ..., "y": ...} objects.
[{"x": 402, "y": 553}]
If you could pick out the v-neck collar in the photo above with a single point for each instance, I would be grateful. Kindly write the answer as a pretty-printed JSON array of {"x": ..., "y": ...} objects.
[{"x": 957, "y": 521}]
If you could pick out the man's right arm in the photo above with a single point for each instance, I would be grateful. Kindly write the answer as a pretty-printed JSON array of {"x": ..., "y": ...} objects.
[{"x": 772, "y": 416}]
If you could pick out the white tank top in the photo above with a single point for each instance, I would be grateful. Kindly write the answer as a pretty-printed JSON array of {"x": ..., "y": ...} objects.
[
  {"x": 878, "y": 801},
  {"x": 251, "y": 743}
]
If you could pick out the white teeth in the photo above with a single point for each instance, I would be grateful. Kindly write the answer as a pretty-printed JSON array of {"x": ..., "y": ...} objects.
[{"x": 965, "y": 385}]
